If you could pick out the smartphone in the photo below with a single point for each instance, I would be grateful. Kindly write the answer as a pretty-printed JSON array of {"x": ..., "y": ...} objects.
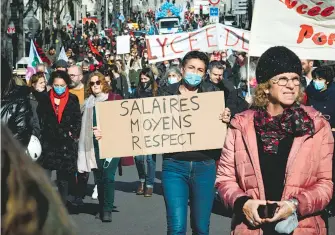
[{"x": 267, "y": 211}]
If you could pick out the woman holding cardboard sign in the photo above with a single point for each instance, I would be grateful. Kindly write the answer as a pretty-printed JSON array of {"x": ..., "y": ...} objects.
[
  {"x": 88, "y": 155},
  {"x": 190, "y": 176},
  {"x": 275, "y": 169},
  {"x": 147, "y": 87}
]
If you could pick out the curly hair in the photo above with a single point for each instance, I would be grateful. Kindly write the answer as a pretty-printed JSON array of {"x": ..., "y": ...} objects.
[
  {"x": 29, "y": 204},
  {"x": 261, "y": 98},
  {"x": 105, "y": 87},
  {"x": 60, "y": 74}
]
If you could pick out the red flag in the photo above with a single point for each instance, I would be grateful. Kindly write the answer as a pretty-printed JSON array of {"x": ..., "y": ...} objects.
[{"x": 93, "y": 49}]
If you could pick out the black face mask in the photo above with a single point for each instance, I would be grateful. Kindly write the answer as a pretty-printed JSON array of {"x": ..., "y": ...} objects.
[{"x": 145, "y": 85}]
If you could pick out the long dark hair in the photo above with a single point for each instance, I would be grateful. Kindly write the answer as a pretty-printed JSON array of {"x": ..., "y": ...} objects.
[{"x": 148, "y": 73}]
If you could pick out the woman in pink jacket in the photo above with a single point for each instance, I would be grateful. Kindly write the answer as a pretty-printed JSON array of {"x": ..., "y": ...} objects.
[{"x": 276, "y": 164}]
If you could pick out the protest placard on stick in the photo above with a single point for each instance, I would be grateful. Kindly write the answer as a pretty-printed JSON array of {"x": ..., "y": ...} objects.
[{"x": 161, "y": 124}]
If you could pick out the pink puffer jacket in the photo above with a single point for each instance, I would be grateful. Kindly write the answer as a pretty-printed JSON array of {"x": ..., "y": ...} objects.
[{"x": 308, "y": 172}]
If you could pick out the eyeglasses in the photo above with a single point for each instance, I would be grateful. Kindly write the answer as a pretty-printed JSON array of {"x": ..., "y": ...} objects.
[
  {"x": 73, "y": 75},
  {"x": 284, "y": 80},
  {"x": 93, "y": 83}
]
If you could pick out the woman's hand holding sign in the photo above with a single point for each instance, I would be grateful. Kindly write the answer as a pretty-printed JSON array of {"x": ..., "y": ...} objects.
[
  {"x": 226, "y": 115},
  {"x": 97, "y": 133}
]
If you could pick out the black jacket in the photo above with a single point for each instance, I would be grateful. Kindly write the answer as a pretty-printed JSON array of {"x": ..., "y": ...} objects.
[
  {"x": 16, "y": 113},
  {"x": 120, "y": 86},
  {"x": 323, "y": 101},
  {"x": 59, "y": 147},
  {"x": 34, "y": 98}
]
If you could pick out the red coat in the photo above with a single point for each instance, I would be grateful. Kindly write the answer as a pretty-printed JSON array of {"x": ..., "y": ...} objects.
[{"x": 308, "y": 171}]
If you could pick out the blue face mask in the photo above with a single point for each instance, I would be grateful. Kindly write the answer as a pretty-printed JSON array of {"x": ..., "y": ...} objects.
[
  {"x": 172, "y": 80},
  {"x": 59, "y": 89},
  {"x": 319, "y": 85},
  {"x": 192, "y": 79}
]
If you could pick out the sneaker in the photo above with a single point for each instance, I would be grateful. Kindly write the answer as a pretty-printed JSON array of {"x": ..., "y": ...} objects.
[
  {"x": 95, "y": 193},
  {"x": 148, "y": 192}
]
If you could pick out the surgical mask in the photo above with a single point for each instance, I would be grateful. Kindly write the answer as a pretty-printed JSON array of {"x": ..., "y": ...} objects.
[
  {"x": 319, "y": 85},
  {"x": 172, "y": 80},
  {"x": 167, "y": 65},
  {"x": 192, "y": 79},
  {"x": 59, "y": 90}
]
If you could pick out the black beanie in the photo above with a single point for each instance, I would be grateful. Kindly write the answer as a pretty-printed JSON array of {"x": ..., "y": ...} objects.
[{"x": 275, "y": 61}]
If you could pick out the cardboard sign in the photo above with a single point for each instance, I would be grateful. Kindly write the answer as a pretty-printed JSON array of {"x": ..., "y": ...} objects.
[
  {"x": 208, "y": 39},
  {"x": 161, "y": 124},
  {"x": 122, "y": 44},
  {"x": 307, "y": 27}
]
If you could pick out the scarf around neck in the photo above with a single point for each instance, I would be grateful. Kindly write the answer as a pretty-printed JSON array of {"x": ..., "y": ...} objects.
[
  {"x": 294, "y": 121},
  {"x": 63, "y": 101},
  {"x": 86, "y": 155}
]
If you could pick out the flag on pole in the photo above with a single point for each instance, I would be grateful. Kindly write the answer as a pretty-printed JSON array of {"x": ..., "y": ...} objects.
[
  {"x": 62, "y": 55},
  {"x": 33, "y": 61}
]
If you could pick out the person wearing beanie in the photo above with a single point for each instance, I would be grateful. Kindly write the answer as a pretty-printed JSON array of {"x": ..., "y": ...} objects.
[
  {"x": 61, "y": 65},
  {"x": 275, "y": 170}
]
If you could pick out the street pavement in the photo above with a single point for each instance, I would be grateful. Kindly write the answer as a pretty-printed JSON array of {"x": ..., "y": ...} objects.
[{"x": 136, "y": 214}]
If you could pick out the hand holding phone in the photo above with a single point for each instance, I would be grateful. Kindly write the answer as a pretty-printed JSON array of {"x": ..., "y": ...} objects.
[{"x": 267, "y": 211}]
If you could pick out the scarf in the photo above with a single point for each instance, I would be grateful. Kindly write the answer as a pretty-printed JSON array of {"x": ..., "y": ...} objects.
[
  {"x": 63, "y": 101},
  {"x": 294, "y": 121},
  {"x": 86, "y": 155}
]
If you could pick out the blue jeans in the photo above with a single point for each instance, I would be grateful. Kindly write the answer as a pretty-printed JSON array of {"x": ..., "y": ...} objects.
[
  {"x": 149, "y": 177},
  {"x": 185, "y": 181}
]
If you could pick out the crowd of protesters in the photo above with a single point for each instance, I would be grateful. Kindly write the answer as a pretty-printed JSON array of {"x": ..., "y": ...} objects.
[{"x": 278, "y": 151}]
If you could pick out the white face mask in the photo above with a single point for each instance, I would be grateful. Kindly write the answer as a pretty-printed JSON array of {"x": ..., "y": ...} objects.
[{"x": 172, "y": 80}]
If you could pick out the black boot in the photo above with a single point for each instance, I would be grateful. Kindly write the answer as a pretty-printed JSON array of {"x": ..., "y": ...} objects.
[{"x": 107, "y": 216}]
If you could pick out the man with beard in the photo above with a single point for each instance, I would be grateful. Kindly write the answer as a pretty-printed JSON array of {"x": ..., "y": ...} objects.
[
  {"x": 307, "y": 68},
  {"x": 77, "y": 87}
]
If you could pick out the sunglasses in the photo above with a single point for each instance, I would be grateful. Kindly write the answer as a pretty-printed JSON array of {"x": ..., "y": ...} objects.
[{"x": 93, "y": 83}]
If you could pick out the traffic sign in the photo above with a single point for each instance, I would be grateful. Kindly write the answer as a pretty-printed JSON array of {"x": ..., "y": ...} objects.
[
  {"x": 11, "y": 28},
  {"x": 214, "y": 11},
  {"x": 214, "y": 2},
  {"x": 214, "y": 15}
]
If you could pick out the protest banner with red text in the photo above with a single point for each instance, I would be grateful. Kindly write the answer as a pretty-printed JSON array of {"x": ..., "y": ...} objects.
[
  {"x": 208, "y": 39},
  {"x": 305, "y": 26}
]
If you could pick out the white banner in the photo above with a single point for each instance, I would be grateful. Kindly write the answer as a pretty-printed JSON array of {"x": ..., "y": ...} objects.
[
  {"x": 122, "y": 44},
  {"x": 305, "y": 26},
  {"x": 208, "y": 39}
]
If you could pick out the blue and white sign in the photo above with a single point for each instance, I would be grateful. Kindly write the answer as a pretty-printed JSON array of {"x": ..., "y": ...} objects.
[
  {"x": 214, "y": 11},
  {"x": 214, "y": 15}
]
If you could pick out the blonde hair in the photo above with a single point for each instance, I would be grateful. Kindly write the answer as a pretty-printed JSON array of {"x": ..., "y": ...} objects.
[
  {"x": 261, "y": 99},
  {"x": 30, "y": 204}
]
